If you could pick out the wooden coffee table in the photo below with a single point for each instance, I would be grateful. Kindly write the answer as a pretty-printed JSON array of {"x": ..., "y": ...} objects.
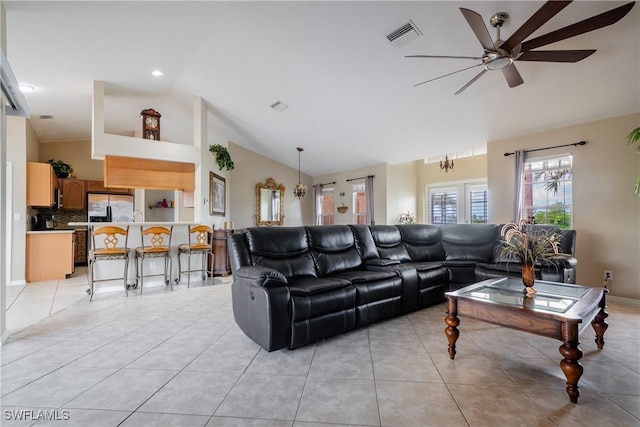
[{"x": 558, "y": 310}]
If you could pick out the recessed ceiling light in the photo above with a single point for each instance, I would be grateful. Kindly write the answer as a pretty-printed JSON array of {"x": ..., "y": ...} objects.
[
  {"x": 27, "y": 88},
  {"x": 157, "y": 73}
]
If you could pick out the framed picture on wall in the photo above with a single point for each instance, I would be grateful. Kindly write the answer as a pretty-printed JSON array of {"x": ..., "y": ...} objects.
[{"x": 217, "y": 195}]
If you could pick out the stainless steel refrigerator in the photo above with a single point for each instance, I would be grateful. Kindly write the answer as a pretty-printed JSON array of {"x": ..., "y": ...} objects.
[{"x": 109, "y": 207}]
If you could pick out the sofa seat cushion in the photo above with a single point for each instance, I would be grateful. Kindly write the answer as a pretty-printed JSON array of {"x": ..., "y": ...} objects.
[
  {"x": 508, "y": 268},
  {"x": 425, "y": 265},
  {"x": 307, "y": 285},
  {"x": 358, "y": 276}
]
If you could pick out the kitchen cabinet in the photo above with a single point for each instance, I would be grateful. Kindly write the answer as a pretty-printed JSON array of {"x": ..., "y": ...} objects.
[
  {"x": 98, "y": 187},
  {"x": 73, "y": 194},
  {"x": 41, "y": 184},
  {"x": 80, "y": 254},
  {"x": 49, "y": 255}
]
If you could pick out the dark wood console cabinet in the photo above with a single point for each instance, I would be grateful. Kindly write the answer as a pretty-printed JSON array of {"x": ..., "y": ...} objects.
[{"x": 222, "y": 266}]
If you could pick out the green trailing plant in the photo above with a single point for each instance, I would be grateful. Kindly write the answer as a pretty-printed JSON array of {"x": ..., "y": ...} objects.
[
  {"x": 61, "y": 168},
  {"x": 633, "y": 140},
  {"x": 223, "y": 158}
]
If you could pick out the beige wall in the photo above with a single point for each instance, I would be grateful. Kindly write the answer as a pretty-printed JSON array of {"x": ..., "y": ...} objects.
[
  {"x": 606, "y": 212},
  {"x": 380, "y": 192},
  {"x": 252, "y": 168},
  {"x": 75, "y": 153},
  {"x": 466, "y": 169},
  {"x": 402, "y": 190}
]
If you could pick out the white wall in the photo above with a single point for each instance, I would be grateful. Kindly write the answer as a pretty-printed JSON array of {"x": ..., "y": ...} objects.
[
  {"x": 605, "y": 209},
  {"x": 17, "y": 154}
]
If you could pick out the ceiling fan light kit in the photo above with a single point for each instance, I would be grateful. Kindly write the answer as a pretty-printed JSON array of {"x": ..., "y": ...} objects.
[{"x": 501, "y": 54}]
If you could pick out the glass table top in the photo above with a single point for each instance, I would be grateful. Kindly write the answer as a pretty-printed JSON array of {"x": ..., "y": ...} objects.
[{"x": 555, "y": 297}]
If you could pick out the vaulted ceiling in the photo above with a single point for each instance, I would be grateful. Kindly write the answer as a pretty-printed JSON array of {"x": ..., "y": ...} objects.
[{"x": 350, "y": 93}]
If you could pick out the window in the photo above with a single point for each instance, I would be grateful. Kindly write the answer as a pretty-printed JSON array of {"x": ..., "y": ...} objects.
[
  {"x": 359, "y": 204},
  {"x": 547, "y": 190},
  {"x": 327, "y": 203},
  {"x": 459, "y": 203}
]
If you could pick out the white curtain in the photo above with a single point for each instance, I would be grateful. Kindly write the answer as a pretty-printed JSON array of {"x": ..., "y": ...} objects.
[
  {"x": 368, "y": 192},
  {"x": 317, "y": 204},
  {"x": 517, "y": 200}
]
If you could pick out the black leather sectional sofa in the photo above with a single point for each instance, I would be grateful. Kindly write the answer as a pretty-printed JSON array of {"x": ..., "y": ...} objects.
[{"x": 295, "y": 285}]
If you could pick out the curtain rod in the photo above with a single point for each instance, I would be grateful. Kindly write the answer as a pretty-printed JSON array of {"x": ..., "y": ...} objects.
[
  {"x": 362, "y": 177},
  {"x": 327, "y": 183},
  {"x": 575, "y": 144}
]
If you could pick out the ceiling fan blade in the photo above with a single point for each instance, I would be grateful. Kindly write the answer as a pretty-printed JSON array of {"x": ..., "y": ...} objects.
[
  {"x": 595, "y": 22},
  {"x": 556, "y": 55},
  {"x": 477, "y": 58},
  {"x": 512, "y": 75},
  {"x": 479, "y": 29},
  {"x": 542, "y": 15},
  {"x": 445, "y": 75},
  {"x": 472, "y": 81}
]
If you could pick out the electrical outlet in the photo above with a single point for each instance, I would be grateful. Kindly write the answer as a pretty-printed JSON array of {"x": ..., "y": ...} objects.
[{"x": 608, "y": 275}]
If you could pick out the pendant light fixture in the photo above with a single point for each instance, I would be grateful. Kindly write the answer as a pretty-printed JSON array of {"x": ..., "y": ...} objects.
[{"x": 299, "y": 190}]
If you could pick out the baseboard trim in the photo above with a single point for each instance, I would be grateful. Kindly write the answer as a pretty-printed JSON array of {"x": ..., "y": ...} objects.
[
  {"x": 18, "y": 282},
  {"x": 623, "y": 300}
]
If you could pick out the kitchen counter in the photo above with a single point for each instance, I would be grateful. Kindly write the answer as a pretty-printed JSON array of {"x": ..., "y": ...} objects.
[
  {"x": 134, "y": 224},
  {"x": 70, "y": 230}
]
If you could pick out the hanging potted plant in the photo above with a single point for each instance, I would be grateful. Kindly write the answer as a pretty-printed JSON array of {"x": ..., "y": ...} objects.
[
  {"x": 633, "y": 140},
  {"x": 61, "y": 169},
  {"x": 223, "y": 158}
]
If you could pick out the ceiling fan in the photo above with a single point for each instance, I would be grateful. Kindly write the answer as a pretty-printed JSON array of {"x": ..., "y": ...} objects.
[{"x": 500, "y": 55}]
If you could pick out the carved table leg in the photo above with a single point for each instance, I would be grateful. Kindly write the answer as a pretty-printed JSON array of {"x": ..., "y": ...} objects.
[
  {"x": 570, "y": 364},
  {"x": 600, "y": 325},
  {"x": 452, "y": 322}
]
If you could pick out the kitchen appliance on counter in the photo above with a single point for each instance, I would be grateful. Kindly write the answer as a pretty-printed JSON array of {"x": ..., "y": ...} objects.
[
  {"x": 109, "y": 207},
  {"x": 43, "y": 221}
]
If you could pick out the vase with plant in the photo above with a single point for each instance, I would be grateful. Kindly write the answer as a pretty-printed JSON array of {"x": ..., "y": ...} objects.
[
  {"x": 61, "y": 169},
  {"x": 407, "y": 218},
  {"x": 530, "y": 246},
  {"x": 223, "y": 158},
  {"x": 633, "y": 140}
]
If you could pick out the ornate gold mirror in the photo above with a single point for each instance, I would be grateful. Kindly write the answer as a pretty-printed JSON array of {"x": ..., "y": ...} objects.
[{"x": 269, "y": 203}]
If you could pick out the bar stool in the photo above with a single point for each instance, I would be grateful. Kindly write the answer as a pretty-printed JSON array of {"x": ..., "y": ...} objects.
[
  {"x": 152, "y": 240},
  {"x": 108, "y": 251},
  {"x": 201, "y": 234}
]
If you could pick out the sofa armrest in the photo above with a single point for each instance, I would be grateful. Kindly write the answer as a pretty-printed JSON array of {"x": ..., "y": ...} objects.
[
  {"x": 381, "y": 262},
  {"x": 260, "y": 276},
  {"x": 260, "y": 297}
]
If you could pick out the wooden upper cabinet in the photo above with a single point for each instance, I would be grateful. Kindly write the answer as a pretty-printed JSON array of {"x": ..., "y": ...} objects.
[
  {"x": 41, "y": 184},
  {"x": 73, "y": 194},
  {"x": 96, "y": 187}
]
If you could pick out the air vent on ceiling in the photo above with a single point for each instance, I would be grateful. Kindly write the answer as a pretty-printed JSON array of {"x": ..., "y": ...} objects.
[
  {"x": 279, "y": 106},
  {"x": 404, "y": 34},
  {"x": 46, "y": 117}
]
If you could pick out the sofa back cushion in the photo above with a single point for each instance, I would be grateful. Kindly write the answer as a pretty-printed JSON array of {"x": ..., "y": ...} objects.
[
  {"x": 284, "y": 249},
  {"x": 567, "y": 243},
  {"x": 389, "y": 242},
  {"x": 364, "y": 242},
  {"x": 469, "y": 242},
  {"x": 333, "y": 248},
  {"x": 423, "y": 242}
]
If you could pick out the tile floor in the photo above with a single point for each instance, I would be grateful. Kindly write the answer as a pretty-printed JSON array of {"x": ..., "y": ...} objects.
[{"x": 178, "y": 359}]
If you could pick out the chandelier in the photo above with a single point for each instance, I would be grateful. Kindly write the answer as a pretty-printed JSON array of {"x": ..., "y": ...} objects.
[
  {"x": 299, "y": 190},
  {"x": 446, "y": 165}
]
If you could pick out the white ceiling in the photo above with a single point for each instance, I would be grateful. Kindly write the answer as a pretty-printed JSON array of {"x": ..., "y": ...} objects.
[{"x": 350, "y": 93}]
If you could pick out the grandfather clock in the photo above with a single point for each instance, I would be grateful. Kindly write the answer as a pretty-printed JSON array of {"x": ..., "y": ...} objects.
[{"x": 150, "y": 124}]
